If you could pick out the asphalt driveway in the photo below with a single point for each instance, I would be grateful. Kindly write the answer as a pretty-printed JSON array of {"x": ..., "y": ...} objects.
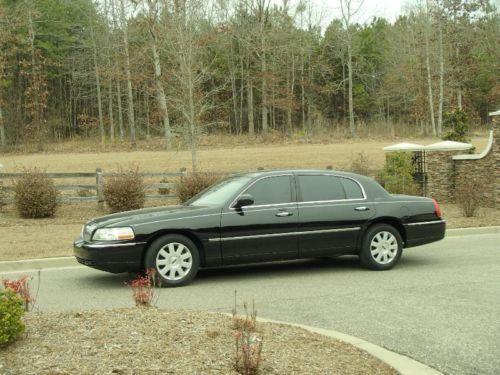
[{"x": 440, "y": 305}]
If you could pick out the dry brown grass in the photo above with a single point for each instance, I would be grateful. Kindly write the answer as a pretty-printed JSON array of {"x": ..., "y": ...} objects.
[{"x": 237, "y": 158}]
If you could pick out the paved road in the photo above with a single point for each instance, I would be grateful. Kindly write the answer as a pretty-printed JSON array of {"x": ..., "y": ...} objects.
[{"x": 440, "y": 305}]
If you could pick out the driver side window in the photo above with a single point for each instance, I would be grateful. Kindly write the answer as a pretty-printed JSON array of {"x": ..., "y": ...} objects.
[{"x": 271, "y": 190}]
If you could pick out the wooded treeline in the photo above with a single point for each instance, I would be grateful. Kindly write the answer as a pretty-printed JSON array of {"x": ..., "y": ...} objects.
[{"x": 130, "y": 69}]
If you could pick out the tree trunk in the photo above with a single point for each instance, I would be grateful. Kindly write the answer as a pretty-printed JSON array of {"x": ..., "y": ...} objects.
[
  {"x": 429, "y": 77},
  {"x": 441, "y": 83},
  {"x": 264, "y": 89},
  {"x": 352, "y": 126},
  {"x": 242, "y": 91},
  {"x": 98, "y": 86},
  {"x": 2, "y": 130},
  {"x": 291, "y": 86},
  {"x": 131, "y": 119},
  {"x": 459, "y": 88},
  {"x": 160, "y": 95},
  {"x": 251, "y": 125},
  {"x": 302, "y": 92},
  {"x": 110, "y": 111},
  {"x": 120, "y": 109},
  {"x": 146, "y": 106}
]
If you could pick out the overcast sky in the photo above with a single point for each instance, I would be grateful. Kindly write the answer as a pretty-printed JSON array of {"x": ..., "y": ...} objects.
[{"x": 329, "y": 9}]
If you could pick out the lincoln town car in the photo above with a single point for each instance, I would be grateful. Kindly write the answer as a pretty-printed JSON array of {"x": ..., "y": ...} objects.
[{"x": 263, "y": 216}]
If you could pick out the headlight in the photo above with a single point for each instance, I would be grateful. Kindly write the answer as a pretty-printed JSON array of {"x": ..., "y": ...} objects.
[{"x": 113, "y": 234}]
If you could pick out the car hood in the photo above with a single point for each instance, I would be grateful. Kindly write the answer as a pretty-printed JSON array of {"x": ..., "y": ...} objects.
[{"x": 131, "y": 218}]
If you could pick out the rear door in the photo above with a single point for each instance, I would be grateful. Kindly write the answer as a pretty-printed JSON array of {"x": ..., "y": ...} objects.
[
  {"x": 332, "y": 212},
  {"x": 265, "y": 230}
]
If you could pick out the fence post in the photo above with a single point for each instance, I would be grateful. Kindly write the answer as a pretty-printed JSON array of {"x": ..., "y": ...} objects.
[
  {"x": 183, "y": 173},
  {"x": 99, "y": 182}
]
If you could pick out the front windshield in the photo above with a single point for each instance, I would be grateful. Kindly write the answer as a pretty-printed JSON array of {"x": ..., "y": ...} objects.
[{"x": 219, "y": 193}]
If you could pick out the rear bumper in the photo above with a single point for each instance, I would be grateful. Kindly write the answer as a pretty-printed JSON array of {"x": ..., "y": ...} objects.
[
  {"x": 424, "y": 232},
  {"x": 110, "y": 257}
]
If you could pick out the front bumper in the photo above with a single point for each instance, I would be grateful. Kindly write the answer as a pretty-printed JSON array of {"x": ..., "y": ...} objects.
[
  {"x": 115, "y": 257},
  {"x": 421, "y": 233}
]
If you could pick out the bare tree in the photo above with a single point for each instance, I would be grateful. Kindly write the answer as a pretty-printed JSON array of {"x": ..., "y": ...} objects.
[
  {"x": 97, "y": 81},
  {"x": 187, "y": 47},
  {"x": 131, "y": 118},
  {"x": 349, "y": 9},
  {"x": 153, "y": 8},
  {"x": 427, "y": 26}
]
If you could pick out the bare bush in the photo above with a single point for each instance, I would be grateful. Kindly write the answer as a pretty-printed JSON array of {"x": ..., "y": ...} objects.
[
  {"x": 125, "y": 191},
  {"x": 189, "y": 186},
  {"x": 35, "y": 195},
  {"x": 360, "y": 164},
  {"x": 469, "y": 195}
]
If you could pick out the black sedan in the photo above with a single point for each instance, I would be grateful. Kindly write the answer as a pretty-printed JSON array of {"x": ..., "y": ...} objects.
[{"x": 261, "y": 217}]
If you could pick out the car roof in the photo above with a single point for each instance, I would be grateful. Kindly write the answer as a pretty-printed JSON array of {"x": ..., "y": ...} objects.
[{"x": 274, "y": 172}]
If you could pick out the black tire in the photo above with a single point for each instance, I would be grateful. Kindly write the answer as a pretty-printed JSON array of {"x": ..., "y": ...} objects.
[
  {"x": 175, "y": 258},
  {"x": 381, "y": 248}
]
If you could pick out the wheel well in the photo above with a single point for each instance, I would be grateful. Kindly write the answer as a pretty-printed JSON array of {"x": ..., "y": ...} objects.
[
  {"x": 187, "y": 234},
  {"x": 393, "y": 222}
]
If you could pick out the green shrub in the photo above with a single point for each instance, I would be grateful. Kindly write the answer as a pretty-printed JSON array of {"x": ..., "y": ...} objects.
[
  {"x": 189, "y": 186},
  {"x": 35, "y": 195},
  {"x": 457, "y": 124},
  {"x": 11, "y": 312},
  {"x": 469, "y": 195},
  {"x": 397, "y": 174},
  {"x": 125, "y": 191}
]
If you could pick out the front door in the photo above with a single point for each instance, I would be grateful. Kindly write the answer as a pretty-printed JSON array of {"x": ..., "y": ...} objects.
[{"x": 265, "y": 230}]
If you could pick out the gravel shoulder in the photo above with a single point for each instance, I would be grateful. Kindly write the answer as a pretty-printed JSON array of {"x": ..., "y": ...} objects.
[{"x": 151, "y": 341}]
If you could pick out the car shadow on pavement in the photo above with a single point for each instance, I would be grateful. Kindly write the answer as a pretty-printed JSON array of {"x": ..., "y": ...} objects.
[{"x": 283, "y": 268}]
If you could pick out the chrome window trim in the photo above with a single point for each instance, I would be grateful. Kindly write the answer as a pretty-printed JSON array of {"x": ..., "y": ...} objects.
[
  {"x": 426, "y": 222},
  {"x": 260, "y": 205},
  {"x": 347, "y": 201},
  {"x": 270, "y": 235},
  {"x": 339, "y": 176}
]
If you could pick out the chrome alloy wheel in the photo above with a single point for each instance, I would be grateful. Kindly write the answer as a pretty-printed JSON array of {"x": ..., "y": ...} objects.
[
  {"x": 384, "y": 247},
  {"x": 174, "y": 261}
]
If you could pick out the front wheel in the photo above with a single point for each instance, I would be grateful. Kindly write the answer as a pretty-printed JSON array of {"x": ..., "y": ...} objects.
[
  {"x": 175, "y": 259},
  {"x": 382, "y": 247}
]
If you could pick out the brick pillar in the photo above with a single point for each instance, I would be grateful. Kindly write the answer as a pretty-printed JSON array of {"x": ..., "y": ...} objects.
[{"x": 441, "y": 174}]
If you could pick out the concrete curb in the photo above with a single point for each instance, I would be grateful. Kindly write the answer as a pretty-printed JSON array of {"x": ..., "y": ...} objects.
[
  {"x": 43, "y": 263},
  {"x": 472, "y": 231},
  {"x": 37, "y": 264},
  {"x": 402, "y": 364}
]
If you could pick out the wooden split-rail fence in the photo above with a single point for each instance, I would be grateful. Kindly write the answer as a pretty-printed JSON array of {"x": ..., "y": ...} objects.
[{"x": 96, "y": 190}]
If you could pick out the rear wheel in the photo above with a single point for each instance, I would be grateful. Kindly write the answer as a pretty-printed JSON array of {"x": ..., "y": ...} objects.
[
  {"x": 175, "y": 259},
  {"x": 382, "y": 247}
]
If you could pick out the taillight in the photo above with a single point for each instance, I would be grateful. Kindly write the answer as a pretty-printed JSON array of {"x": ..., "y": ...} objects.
[{"x": 437, "y": 209}]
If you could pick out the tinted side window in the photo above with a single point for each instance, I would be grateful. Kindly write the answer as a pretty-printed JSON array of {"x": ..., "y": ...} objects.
[
  {"x": 271, "y": 190},
  {"x": 352, "y": 189},
  {"x": 320, "y": 188}
]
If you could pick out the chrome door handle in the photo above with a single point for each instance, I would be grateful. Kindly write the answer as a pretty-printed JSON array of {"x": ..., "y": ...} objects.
[
  {"x": 284, "y": 213},
  {"x": 362, "y": 208}
]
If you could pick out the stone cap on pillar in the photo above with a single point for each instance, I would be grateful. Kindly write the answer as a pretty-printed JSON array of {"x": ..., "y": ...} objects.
[
  {"x": 448, "y": 146},
  {"x": 402, "y": 147}
]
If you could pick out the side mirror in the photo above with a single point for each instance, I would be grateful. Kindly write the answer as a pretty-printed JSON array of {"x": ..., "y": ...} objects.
[{"x": 244, "y": 200}]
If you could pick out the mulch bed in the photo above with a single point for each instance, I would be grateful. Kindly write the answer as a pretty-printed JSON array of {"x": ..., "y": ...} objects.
[{"x": 154, "y": 341}]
